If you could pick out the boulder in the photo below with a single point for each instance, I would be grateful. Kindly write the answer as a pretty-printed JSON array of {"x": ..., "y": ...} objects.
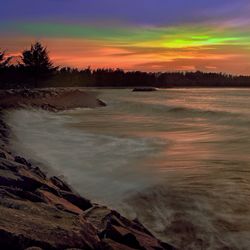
[
  {"x": 21, "y": 176},
  {"x": 22, "y": 194},
  {"x": 144, "y": 89},
  {"x": 59, "y": 202},
  {"x": 5, "y": 155},
  {"x": 108, "y": 244},
  {"x": 23, "y": 161},
  {"x": 76, "y": 199},
  {"x": 38, "y": 172},
  {"x": 131, "y": 234},
  {"x": 26, "y": 224},
  {"x": 60, "y": 184}
]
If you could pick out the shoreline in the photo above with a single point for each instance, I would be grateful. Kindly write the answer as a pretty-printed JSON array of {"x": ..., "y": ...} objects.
[
  {"x": 56, "y": 99},
  {"x": 46, "y": 213}
]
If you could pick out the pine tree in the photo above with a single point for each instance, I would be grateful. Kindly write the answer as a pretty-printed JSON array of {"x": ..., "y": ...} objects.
[{"x": 37, "y": 63}]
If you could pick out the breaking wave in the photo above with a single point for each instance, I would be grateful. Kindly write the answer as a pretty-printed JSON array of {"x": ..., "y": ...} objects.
[{"x": 178, "y": 160}]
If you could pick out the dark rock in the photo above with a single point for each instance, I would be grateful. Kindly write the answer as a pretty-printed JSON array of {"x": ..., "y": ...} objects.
[
  {"x": 3, "y": 155},
  {"x": 76, "y": 199},
  {"x": 38, "y": 172},
  {"x": 15, "y": 175},
  {"x": 17, "y": 242},
  {"x": 116, "y": 234},
  {"x": 167, "y": 246},
  {"x": 101, "y": 103},
  {"x": 49, "y": 107},
  {"x": 26, "y": 224},
  {"x": 21, "y": 160},
  {"x": 60, "y": 184},
  {"x": 25, "y": 195},
  {"x": 59, "y": 202},
  {"x": 108, "y": 244},
  {"x": 9, "y": 165},
  {"x": 130, "y": 240},
  {"x": 5, "y": 194},
  {"x": 11, "y": 179},
  {"x": 29, "y": 183},
  {"x": 111, "y": 225},
  {"x": 50, "y": 189},
  {"x": 25, "y": 93},
  {"x": 144, "y": 89}
]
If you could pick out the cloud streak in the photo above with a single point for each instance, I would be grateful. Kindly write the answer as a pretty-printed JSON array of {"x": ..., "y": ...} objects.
[{"x": 167, "y": 35}]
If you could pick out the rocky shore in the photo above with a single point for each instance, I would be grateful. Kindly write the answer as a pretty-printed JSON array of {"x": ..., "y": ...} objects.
[
  {"x": 38, "y": 212},
  {"x": 49, "y": 99}
]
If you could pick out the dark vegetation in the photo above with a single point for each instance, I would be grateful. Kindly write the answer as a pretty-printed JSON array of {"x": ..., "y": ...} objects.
[{"x": 35, "y": 69}]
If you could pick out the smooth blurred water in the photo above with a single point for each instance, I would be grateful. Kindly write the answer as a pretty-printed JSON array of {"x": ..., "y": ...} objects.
[{"x": 177, "y": 159}]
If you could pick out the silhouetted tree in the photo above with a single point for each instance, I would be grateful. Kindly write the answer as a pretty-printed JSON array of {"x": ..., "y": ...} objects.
[
  {"x": 4, "y": 61},
  {"x": 37, "y": 63}
]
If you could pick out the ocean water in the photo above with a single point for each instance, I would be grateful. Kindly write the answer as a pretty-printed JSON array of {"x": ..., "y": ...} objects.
[{"x": 177, "y": 159}]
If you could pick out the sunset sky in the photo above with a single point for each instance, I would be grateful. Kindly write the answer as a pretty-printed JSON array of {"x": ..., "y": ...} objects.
[{"x": 150, "y": 35}]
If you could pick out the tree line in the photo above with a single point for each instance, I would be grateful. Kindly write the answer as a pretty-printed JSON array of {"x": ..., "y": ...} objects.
[{"x": 35, "y": 69}]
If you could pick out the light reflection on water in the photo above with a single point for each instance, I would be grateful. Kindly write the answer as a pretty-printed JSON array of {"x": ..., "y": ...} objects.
[{"x": 177, "y": 159}]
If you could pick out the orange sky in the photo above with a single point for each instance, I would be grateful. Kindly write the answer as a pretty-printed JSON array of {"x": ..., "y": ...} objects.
[{"x": 156, "y": 36}]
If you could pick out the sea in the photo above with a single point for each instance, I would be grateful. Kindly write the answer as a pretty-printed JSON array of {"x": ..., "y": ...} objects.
[{"x": 176, "y": 159}]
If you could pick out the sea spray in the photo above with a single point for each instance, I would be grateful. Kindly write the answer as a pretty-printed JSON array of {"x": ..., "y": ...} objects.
[{"x": 178, "y": 160}]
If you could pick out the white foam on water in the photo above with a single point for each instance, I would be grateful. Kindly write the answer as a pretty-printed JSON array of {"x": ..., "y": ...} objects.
[
  {"x": 94, "y": 164},
  {"x": 179, "y": 160}
]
